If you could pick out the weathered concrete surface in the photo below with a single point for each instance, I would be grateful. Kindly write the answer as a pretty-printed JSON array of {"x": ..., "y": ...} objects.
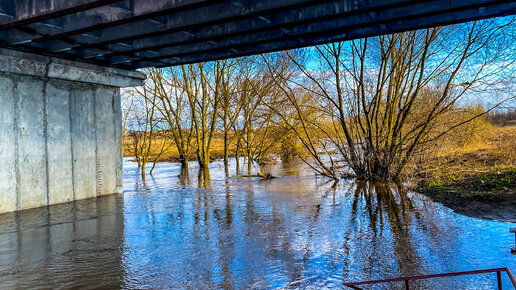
[
  {"x": 8, "y": 191},
  {"x": 59, "y": 139},
  {"x": 117, "y": 109},
  {"x": 106, "y": 146},
  {"x": 30, "y": 147},
  {"x": 83, "y": 143},
  {"x": 42, "y": 66},
  {"x": 60, "y": 130}
]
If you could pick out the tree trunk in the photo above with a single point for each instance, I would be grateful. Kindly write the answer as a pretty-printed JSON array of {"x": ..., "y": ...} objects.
[
  {"x": 226, "y": 153},
  {"x": 143, "y": 170},
  {"x": 184, "y": 176},
  {"x": 237, "y": 157},
  {"x": 249, "y": 162}
]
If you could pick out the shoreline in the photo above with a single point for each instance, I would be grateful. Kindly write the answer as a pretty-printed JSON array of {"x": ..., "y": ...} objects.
[{"x": 490, "y": 195}]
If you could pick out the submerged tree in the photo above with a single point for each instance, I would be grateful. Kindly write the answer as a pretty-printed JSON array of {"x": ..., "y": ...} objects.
[
  {"x": 381, "y": 98},
  {"x": 147, "y": 140},
  {"x": 255, "y": 120},
  {"x": 172, "y": 104},
  {"x": 198, "y": 87},
  {"x": 230, "y": 107}
]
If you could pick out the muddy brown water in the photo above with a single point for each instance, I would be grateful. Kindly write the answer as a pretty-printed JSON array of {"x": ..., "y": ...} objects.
[{"x": 294, "y": 231}]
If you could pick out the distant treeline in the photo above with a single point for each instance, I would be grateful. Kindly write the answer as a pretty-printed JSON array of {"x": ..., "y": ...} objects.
[{"x": 503, "y": 118}]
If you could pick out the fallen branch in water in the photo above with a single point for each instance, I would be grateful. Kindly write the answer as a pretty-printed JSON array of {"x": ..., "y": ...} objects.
[{"x": 264, "y": 176}]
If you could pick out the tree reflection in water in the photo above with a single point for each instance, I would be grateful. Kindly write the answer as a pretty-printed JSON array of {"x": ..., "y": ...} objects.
[
  {"x": 295, "y": 231},
  {"x": 301, "y": 231}
]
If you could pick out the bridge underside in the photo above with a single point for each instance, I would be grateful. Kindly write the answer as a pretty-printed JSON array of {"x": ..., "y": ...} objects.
[{"x": 134, "y": 34}]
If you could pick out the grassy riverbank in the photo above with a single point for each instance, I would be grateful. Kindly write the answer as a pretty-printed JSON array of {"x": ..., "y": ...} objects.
[
  {"x": 481, "y": 171},
  {"x": 498, "y": 184}
]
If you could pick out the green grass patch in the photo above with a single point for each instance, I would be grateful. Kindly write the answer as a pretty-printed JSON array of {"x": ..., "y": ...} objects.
[{"x": 497, "y": 184}]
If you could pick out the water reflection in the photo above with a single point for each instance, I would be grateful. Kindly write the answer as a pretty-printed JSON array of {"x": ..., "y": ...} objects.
[
  {"x": 295, "y": 231},
  {"x": 71, "y": 245}
]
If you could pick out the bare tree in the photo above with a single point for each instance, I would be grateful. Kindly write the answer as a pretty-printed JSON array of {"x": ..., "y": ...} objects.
[
  {"x": 230, "y": 107},
  {"x": 143, "y": 129},
  {"x": 201, "y": 83},
  {"x": 173, "y": 104},
  {"x": 255, "y": 95},
  {"x": 381, "y": 98}
]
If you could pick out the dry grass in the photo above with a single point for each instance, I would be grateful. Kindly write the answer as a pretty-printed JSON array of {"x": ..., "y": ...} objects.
[
  {"x": 481, "y": 170},
  {"x": 171, "y": 154},
  {"x": 480, "y": 154}
]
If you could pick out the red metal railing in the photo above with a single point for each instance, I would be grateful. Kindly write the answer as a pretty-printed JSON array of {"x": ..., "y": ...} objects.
[{"x": 407, "y": 280}]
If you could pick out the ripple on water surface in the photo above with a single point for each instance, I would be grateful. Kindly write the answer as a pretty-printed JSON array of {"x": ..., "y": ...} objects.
[{"x": 295, "y": 231}]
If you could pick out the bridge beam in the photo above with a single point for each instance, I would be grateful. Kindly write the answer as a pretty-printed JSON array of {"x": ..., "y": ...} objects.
[{"x": 60, "y": 130}]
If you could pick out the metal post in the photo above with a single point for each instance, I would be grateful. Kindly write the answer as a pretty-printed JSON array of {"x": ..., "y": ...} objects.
[
  {"x": 407, "y": 284},
  {"x": 513, "y": 249},
  {"x": 499, "y": 279}
]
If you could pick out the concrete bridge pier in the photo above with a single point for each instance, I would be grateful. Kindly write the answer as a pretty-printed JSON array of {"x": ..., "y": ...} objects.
[{"x": 60, "y": 130}]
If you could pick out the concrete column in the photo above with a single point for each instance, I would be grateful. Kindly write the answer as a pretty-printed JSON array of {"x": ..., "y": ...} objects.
[{"x": 60, "y": 130}]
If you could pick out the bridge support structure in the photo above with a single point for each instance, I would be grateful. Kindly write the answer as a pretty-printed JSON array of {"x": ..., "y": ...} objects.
[{"x": 60, "y": 130}]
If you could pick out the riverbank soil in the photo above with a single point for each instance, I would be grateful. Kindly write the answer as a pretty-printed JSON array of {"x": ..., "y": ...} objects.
[{"x": 478, "y": 179}]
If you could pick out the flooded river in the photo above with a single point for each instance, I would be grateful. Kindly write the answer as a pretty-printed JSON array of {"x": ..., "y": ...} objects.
[{"x": 294, "y": 231}]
